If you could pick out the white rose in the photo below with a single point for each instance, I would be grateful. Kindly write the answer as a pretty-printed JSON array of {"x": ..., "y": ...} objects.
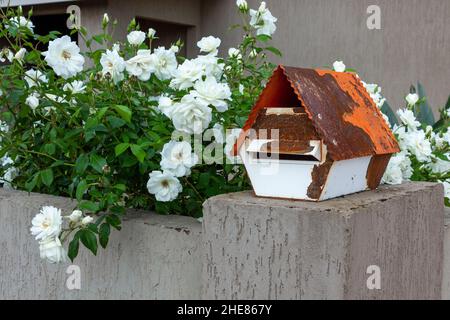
[
  {"x": 20, "y": 55},
  {"x": 339, "y": 66},
  {"x": 75, "y": 87},
  {"x": 191, "y": 116},
  {"x": 33, "y": 77},
  {"x": 63, "y": 55},
  {"x": 446, "y": 189},
  {"x": 76, "y": 216},
  {"x": 412, "y": 99},
  {"x": 165, "y": 105},
  {"x": 242, "y": 5},
  {"x": 418, "y": 144},
  {"x": 21, "y": 22},
  {"x": 164, "y": 185},
  {"x": 142, "y": 65},
  {"x": 210, "y": 66},
  {"x": 105, "y": 19},
  {"x": 210, "y": 92},
  {"x": 136, "y": 38},
  {"x": 263, "y": 20},
  {"x": 407, "y": 118},
  {"x": 113, "y": 64},
  {"x": 86, "y": 220},
  {"x": 165, "y": 63},
  {"x": 151, "y": 33},
  {"x": 186, "y": 74},
  {"x": 177, "y": 158},
  {"x": 52, "y": 250},
  {"x": 209, "y": 45},
  {"x": 47, "y": 223},
  {"x": 439, "y": 165},
  {"x": 174, "y": 49},
  {"x": 234, "y": 53},
  {"x": 33, "y": 101}
]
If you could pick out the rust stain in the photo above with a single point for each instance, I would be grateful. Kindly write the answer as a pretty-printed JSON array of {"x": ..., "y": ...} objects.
[
  {"x": 319, "y": 178},
  {"x": 342, "y": 113},
  {"x": 375, "y": 170}
]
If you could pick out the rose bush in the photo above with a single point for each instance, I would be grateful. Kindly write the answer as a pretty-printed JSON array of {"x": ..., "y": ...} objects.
[{"x": 125, "y": 125}]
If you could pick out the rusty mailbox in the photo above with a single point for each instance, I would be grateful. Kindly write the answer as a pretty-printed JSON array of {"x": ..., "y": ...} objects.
[{"x": 324, "y": 132}]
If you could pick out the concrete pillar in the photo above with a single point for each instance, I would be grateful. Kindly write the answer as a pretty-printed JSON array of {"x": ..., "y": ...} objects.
[{"x": 257, "y": 248}]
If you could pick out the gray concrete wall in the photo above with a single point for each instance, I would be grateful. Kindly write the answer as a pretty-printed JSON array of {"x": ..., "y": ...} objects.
[
  {"x": 258, "y": 248},
  {"x": 412, "y": 45},
  {"x": 249, "y": 248},
  {"x": 153, "y": 257}
]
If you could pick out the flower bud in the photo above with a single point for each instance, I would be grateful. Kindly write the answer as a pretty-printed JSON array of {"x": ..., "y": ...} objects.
[
  {"x": 151, "y": 33},
  {"x": 76, "y": 216},
  {"x": 87, "y": 220},
  {"x": 105, "y": 20}
]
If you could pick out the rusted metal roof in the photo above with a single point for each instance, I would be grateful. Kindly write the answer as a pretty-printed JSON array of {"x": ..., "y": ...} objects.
[{"x": 341, "y": 110}]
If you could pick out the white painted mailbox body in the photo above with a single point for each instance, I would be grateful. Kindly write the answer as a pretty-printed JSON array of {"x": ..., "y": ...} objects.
[{"x": 314, "y": 135}]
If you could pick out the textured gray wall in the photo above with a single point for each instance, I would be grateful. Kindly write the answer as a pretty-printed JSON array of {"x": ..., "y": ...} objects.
[
  {"x": 413, "y": 44},
  {"x": 153, "y": 257}
]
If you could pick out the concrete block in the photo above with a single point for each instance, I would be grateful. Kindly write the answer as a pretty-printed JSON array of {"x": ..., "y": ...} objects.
[
  {"x": 446, "y": 267},
  {"x": 259, "y": 248},
  {"x": 153, "y": 257}
]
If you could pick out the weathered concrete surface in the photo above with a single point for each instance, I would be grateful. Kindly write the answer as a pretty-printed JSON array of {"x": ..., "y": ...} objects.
[
  {"x": 153, "y": 257},
  {"x": 446, "y": 267},
  {"x": 259, "y": 248}
]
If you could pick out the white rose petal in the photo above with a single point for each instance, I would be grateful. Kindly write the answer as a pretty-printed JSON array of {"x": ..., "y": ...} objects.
[
  {"x": 52, "y": 250},
  {"x": 142, "y": 65},
  {"x": 165, "y": 63},
  {"x": 339, "y": 66},
  {"x": 165, "y": 105},
  {"x": 34, "y": 77},
  {"x": 209, "y": 45},
  {"x": 47, "y": 223},
  {"x": 412, "y": 99},
  {"x": 210, "y": 92},
  {"x": 87, "y": 220},
  {"x": 76, "y": 216},
  {"x": 177, "y": 158},
  {"x": 186, "y": 75},
  {"x": 408, "y": 118},
  {"x": 113, "y": 64},
  {"x": 191, "y": 116},
  {"x": 63, "y": 55},
  {"x": 263, "y": 20},
  {"x": 75, "y": 87},
  {"x": 136, "y": 38},
  {"x": 164, "y": 185},
  {"x": 33, "y": 101}
]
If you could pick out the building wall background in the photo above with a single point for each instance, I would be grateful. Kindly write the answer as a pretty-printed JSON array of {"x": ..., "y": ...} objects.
[{"x": 412, "y": 45}]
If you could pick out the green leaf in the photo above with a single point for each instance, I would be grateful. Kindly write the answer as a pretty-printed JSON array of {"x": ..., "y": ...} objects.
[
  {"x": 74, "y": 245},
  {"x": 97, "y": 163},
  {"x": 114, "y": 221},
  {"x": 47, "y": 177},
  {"x": 124, "y": 112},
  {"x": 120, "y": 187},
  {"x": 387, "y": 110},
  {"x": 31, "y": 184},
  {"x": 121, "y": 148},
  {"x": 423, "y": 111},
  {"x": 263, "y": 37},
  {"x": 81, "y": 164},
  {"x": 274, "y": 51},
  {"x": 101, "y": 113},
  {"x": 447, "y": 105},
  {"x": 81, "y": 189},
  {"x": 88, "y": 206},
  {"x": 104, "y": 232},
  {"x": 138, "y": 152},
  {"x": 49, "y": 148},
  {"x": 89, "y": 239}
]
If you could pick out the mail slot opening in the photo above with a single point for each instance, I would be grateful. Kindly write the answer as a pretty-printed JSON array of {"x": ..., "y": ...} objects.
[{"x": 264, "y": 149}]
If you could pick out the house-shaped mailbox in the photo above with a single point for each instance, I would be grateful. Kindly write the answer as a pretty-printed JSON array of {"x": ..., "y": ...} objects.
[{"x": 330, "y": 139}]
